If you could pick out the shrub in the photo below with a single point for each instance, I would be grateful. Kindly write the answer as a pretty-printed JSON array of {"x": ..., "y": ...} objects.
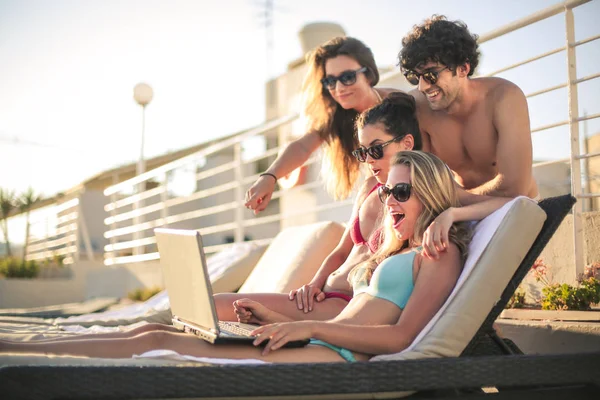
[
  {"x": 143, "y": 294},
  {"x": 517, "y": 300},
  {"x": 12, "y": 267},
  {"x": 557, "y": 296},
  {"x": 567, "y": 297}
]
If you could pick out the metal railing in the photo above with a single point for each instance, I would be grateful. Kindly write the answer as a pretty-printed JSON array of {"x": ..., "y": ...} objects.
[
  {"x": 56, "y": 233},
  {"x": 134, "y": 213},
  {"x": 145, "y": 202}
]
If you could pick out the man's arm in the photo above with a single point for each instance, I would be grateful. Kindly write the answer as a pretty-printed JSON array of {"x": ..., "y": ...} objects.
[{"x": 514, "y": 151}]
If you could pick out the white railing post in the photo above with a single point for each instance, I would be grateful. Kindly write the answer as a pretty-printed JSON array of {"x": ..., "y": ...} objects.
[
  {"x": 238, "y": 234},
  {"x": 137, "y": 219},
  {"x": 575, "y": 146},
  {"x": 47, "y": 241},
  {"x": 78, "y": 231},
  {"x": 113, "y": 213},
  {"x": 83, "y": 231},
  {"x": 164, "y": 196}
]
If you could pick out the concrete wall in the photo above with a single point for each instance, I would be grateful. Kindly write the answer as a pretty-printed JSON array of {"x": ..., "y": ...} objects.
[
  {"x": 552, "y": 337},
  {"x": 21, "y": 293},
  {"x": 553, "y": 179},
  {"x": 88, "y": 280},
  {"x": 559, "y": 254}
]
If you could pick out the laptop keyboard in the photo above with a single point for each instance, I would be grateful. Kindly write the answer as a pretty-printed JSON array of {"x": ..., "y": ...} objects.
[{"x": 235, "y": 328}]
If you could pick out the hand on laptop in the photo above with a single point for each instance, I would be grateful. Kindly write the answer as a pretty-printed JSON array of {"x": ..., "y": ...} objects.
[
  {"x": 279, "y": 334},
  {"x": 252, "y": 312}
]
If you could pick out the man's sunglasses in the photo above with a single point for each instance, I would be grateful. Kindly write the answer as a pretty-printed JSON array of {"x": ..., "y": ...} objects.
[
  {"x": 375, "y": 151},
  {"x": 400, "y": 191},
  {"x": 347, "y": 78},
  {"x": 413, "y": 77}
]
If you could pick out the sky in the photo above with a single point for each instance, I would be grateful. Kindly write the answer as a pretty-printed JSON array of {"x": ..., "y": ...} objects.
[{"x": 68, "y": 68}]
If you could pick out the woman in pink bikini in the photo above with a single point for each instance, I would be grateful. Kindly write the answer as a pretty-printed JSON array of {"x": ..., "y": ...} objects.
[{"x": 383, "y": 130}]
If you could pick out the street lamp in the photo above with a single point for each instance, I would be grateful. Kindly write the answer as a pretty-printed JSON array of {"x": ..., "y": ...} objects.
[{"x": 142, "y": 93}]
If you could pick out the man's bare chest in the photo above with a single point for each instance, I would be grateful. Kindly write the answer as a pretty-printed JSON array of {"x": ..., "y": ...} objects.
[{"x": 463, "y": 144}]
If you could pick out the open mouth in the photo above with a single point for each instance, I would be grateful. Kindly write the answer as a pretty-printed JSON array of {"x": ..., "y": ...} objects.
[
  {"x": 433, "y": 94},
  {"x": 398, "y": 218},
  {"x": 376, "y": 171}
]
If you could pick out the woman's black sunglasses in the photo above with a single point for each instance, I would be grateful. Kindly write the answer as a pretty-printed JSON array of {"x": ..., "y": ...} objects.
[
  {"x": 430, "y": 76},
  {"x": 400, "y": 191},
  {"x": 347, "y": 78},
  {"x": 375, "y": 151}
]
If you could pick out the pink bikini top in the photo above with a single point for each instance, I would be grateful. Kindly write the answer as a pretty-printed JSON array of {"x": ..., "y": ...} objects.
[{"x": 356, "y": 234}]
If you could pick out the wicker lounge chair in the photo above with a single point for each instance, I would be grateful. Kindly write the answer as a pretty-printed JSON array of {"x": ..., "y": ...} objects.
[{"x": 487, "y": 361}]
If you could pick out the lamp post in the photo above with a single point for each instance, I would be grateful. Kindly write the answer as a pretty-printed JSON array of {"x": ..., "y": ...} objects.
[{"x": 142, "y": 94}]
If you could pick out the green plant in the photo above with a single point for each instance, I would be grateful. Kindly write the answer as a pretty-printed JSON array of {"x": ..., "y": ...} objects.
[
  {"x": 58, "y": 260},
  {"x": 12, "y": 267},
  {"x": 517, "y": 300},
  {"x": 143, "y": 294},
  {"x": 557, "y": 296},
  {"x": 7, "y": 204},
  {"x": 567, "y": 297}
]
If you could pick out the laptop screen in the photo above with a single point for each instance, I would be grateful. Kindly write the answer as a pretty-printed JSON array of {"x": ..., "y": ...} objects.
[{"x": 186, "y": 276}]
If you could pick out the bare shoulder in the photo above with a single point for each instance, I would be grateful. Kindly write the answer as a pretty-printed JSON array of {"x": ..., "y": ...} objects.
[
  {"x": 449, "y": 261},
  {"x": 498, "y": 89},
  {"x": 365, "y": 188}
]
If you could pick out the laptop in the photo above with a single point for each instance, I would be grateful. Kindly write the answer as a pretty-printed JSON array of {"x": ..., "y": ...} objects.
[{"x": 188, "y": 284}]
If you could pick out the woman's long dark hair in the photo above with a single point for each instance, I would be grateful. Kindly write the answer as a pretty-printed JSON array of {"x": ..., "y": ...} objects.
[{"x": 335, "y": 124}]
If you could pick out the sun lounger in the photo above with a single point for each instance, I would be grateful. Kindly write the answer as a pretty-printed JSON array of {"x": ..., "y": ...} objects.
[
  {"x": 463, "y": 328},
  {"x": 290, "y": 261}
]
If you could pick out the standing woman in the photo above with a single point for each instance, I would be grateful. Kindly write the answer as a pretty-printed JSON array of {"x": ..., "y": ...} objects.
[{"x": 338, "y": 86}]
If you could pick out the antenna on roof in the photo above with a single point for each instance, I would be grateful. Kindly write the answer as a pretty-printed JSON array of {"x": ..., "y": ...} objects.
[{"x": 266, "y": 20}]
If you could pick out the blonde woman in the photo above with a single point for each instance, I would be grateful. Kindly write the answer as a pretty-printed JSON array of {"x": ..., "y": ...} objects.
[
  {"x": 338, "y": 86},
  {"x": 396, "y": 292}
]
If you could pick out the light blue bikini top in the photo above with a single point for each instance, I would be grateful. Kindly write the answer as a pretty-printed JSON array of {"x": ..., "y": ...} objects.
[{"x": 392, "y": 279}]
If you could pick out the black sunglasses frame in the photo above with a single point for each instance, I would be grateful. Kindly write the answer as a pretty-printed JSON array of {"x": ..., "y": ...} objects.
[
  {"x": 431, "y": 77},
  {"x": 375, "y": 151},
  {"x": 346, "y": 78},
  {"x": 400, "y": 191}
]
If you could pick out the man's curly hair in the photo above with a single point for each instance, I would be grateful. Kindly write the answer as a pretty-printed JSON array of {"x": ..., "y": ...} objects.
[{"x": 438, "y": 40}]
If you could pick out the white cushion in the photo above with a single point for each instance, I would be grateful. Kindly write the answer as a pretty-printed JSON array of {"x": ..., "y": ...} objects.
[{"x": 293, "y": 258}]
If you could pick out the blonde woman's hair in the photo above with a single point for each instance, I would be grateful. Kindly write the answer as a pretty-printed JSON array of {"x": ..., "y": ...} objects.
[
  {"x": 433, "y": 184},
  {"x": 333, "y": 123}
]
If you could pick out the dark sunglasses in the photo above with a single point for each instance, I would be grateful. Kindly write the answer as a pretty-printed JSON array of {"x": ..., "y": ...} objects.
[
  {"x": 347, "y": 78},
  {"x": 430, "y": 76},
  {"x": 400, "y": 191},
  {"x": 375, "y": 151}
]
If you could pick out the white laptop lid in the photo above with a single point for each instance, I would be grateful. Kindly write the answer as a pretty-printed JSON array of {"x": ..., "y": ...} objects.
[{"x": 186, "y": 276}]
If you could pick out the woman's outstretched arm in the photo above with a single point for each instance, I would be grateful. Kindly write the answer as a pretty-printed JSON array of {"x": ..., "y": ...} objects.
[{"x": 294, "y": 155}]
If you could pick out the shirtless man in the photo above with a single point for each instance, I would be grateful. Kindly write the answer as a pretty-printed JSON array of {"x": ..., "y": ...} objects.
[{"x": 478, "y": 126}]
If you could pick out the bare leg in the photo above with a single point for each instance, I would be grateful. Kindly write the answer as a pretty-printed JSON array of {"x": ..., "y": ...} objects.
[
  {"x": 111, "y": 335},
  {"x": 280, "y": 303},
  {"x": 179, "y": 342}
]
